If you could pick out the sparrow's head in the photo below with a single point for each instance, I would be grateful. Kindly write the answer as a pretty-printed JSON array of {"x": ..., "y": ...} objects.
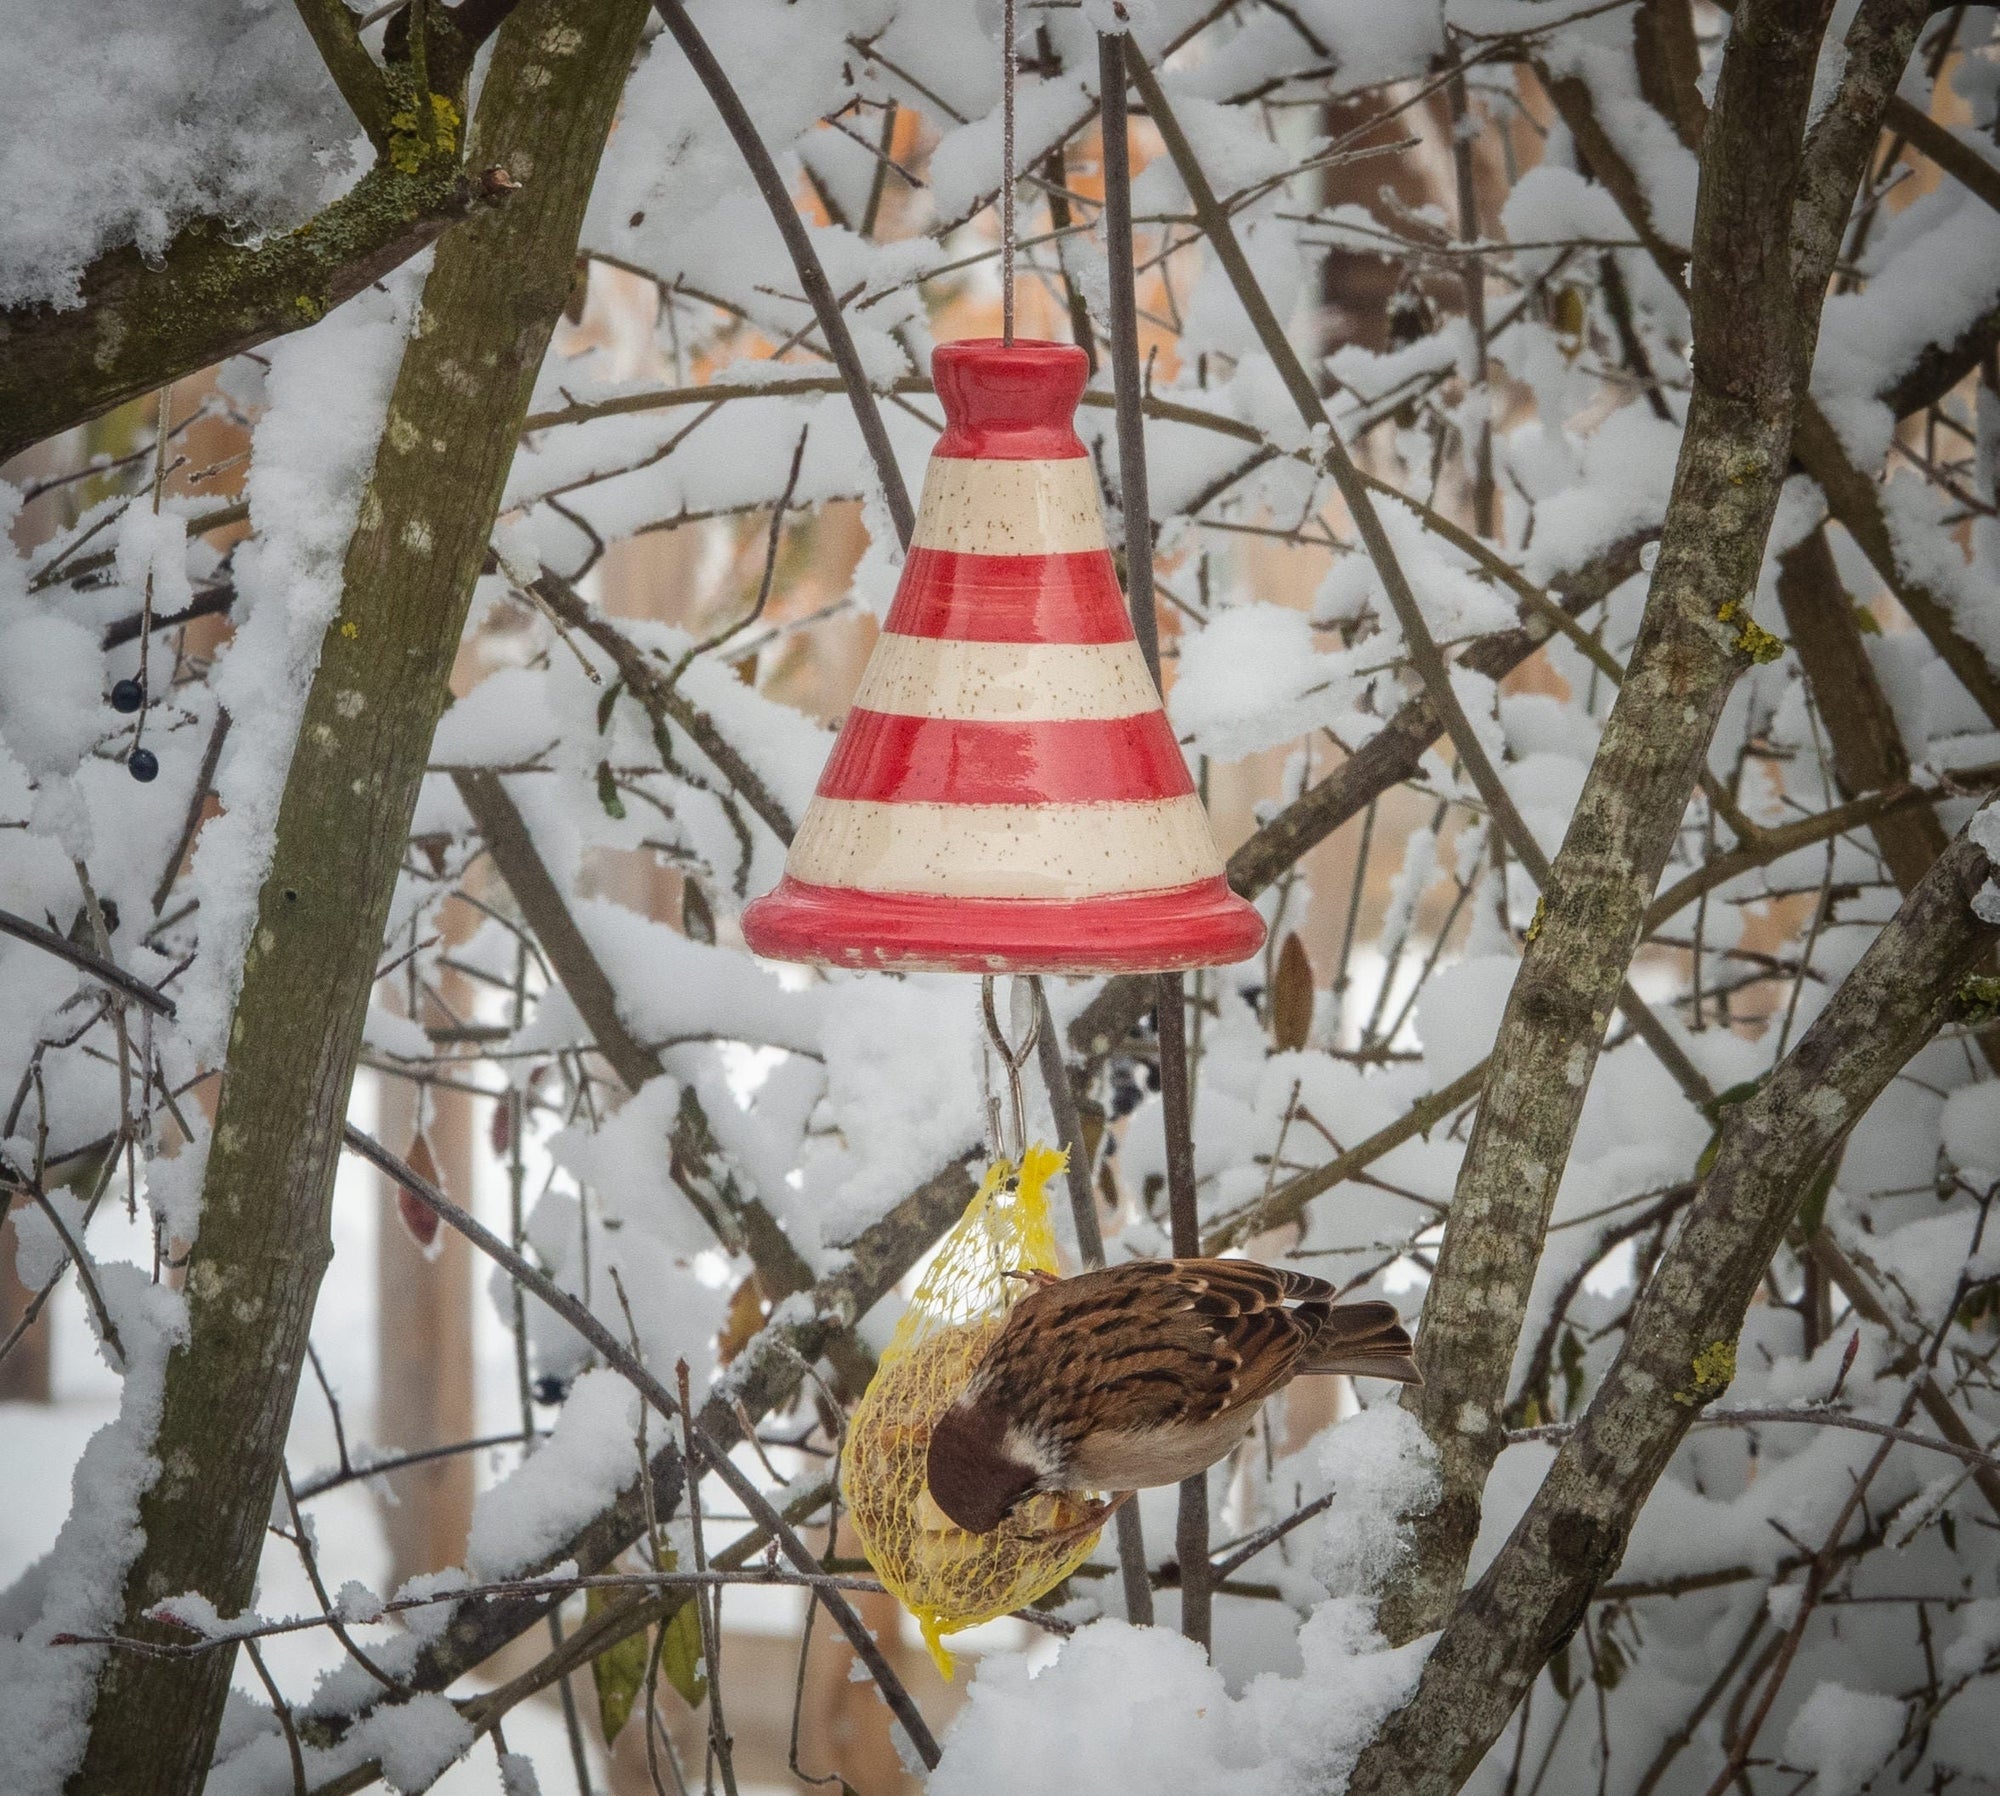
[{"x": 979, "y": 1467}]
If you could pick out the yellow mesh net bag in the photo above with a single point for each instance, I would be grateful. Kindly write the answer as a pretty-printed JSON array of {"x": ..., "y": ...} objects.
[{"x": 949, "y": 1579}]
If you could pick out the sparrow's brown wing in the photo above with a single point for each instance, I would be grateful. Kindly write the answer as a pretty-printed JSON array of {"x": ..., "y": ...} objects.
[
  {"x": 1152, "y": 1344},
  {"x": 1366, "y": 1338}
]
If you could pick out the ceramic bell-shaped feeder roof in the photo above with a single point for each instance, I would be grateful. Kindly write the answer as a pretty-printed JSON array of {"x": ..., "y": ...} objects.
[{"x": 1006, "y": 795}]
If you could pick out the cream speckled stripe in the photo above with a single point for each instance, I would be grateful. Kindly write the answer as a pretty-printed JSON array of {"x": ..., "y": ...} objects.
[
  {"x": 1005, "y": 850},
  {"x": 1009, "y": 508},
  {"x": 1005, "y": 682}
]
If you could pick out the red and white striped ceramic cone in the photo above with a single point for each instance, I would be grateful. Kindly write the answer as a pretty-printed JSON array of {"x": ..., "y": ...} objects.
[{"x": 1006, "y": 794}]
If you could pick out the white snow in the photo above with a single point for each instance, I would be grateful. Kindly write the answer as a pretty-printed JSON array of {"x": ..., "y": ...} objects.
[
  {"x": 1844, "y": 1735},
  {"x": 589, "y": 1459},
  {"x": 833, "y": 1096},
  {"x": 154, "y": 116},
  {"x": 1128, "y": 1711}
]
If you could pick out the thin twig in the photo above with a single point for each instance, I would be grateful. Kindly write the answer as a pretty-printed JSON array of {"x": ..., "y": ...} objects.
[
  {"x": 706, "y": 1613},
  {"x": 96, "y": 965},
  {"x": 662, "y": 701},
  {"x": 770, "y": 567},
  {"x": 1005, "y": 198},
  {"x": 204, "y": 783},
  {"x": 1191, "y": 1531},
  {"x": 335, "y": 1622},
  {"x": 85, "y": 1276},
  {"x": 1816, "y": 1416},
  {"x": 1265, "y": 1537},
  {"x": 1090, "y": 1245},
  {"x": 282, "y": 1710},
  {"x": 322, "y": 1482},
  {"x": 1133, "y": 498}
]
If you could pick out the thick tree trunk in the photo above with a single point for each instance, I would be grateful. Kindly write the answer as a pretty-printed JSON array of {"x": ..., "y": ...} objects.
[{"x": 488, "y": 309}]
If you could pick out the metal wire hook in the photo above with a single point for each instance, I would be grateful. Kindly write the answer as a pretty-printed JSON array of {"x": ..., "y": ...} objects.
[{"x": 1014, "y": 1143}]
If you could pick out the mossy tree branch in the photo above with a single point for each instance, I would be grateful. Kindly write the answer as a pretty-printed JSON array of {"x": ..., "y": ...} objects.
[
  {"x": 139, "y": 327},
  {"x": 336, "y": 35},
  {"x": 489, "y": 307}
]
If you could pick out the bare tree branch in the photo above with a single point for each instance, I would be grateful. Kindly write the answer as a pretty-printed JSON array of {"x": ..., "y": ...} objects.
[
  {"x": 1856, "y": 501},
  {"x": 699, "y": 1165},
  {"x": 1877, "y": 48},
  {"x": 108, "y": 972},
  {"x": 763, "y": 1377},
  {"x": 712, "y": 1454},
  {"x": 663, "y": 698},
  {"x": 1393, "y": 754},
  {"x": 1946, "y": 148}
]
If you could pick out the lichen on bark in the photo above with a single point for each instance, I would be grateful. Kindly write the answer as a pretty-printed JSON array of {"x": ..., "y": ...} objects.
[{"x": 1680, "y": 1351}]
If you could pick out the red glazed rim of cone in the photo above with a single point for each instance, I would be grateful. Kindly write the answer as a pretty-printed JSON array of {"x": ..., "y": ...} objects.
[
  {"x": 1009, "y": 401},
  {"x": 1199, "y": 925}
]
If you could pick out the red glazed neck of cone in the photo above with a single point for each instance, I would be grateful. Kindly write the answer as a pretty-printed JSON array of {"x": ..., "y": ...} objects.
[{"x": 1009, "y": 401}]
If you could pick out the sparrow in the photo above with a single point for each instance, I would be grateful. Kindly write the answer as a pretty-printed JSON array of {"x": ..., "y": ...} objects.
[{"x": 1139, "y": 1375}]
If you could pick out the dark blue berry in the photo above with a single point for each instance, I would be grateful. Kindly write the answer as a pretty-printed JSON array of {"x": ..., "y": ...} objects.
[
  {"x": 143, "y": 765},
  {"x": 127, "y": 696}
]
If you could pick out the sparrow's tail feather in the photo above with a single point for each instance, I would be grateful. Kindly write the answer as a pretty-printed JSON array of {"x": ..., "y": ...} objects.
[{"x": 1365, "y": 1340}]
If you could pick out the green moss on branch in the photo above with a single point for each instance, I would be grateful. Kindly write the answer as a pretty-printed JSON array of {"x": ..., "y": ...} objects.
[{"x": 140, "y": 327}]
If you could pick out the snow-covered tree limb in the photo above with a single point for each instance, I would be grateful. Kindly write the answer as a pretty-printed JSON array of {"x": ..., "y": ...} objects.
[
  {"x": 145, "y": 322},
  {"x": 1680, "y": 1353}
]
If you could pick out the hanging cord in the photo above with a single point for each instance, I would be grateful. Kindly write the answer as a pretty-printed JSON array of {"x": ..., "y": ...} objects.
[
  {"x": 1008, "y": 60},
  {"x": 161, "y": 438},
  {"x": 1013, "y": 1142}
]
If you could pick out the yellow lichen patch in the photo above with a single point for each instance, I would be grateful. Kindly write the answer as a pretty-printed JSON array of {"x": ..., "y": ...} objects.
[
  {"x": 1751, "y": 640},
  {"x": 1977, "y": 998},
  {"x": 1535, "y": 923},
  {"x": 1714, "y": 1368},
  {"x": 1744, "y": 466},
  {"x": 412, "y": 136},
  {"x": 949, "y": 1579}
]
